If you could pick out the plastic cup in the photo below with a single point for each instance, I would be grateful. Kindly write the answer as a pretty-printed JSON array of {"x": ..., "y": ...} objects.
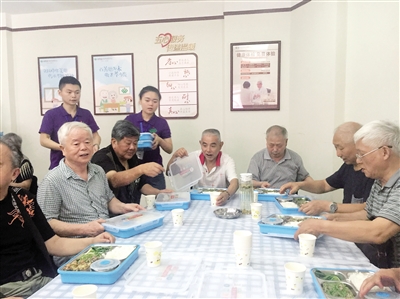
[
  {"x": 153, "y": 253},
  {"x": 256, "y": 210},
  {"x": 295, "y": 277},
  {"x": 255, "y": 196},
  {"x": 307, "y": 244},
  {"x": 150, "y": 200},
  {"x": 213, "y": 198},
  {"x": 177, "y": 217},
  {"x": 242, "y": 242},
  {"x": 88, "y": 291}
]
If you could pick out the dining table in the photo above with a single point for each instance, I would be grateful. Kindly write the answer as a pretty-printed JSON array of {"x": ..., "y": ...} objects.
[{"x": 205, "y": 242}]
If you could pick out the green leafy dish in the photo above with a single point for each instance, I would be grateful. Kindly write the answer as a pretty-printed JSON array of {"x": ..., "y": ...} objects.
[{"x": 338, "y": 289}]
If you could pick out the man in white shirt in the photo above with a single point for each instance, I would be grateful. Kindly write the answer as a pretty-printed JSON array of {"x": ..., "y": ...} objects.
[
  {"x": 218, "y": 168},
  {"x": 260, "y": 95}
]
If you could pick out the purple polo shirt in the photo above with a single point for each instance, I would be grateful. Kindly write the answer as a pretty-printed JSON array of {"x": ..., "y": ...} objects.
[
  {"x": 154, "y": 125},
  {"x": 55, "y": 118}
]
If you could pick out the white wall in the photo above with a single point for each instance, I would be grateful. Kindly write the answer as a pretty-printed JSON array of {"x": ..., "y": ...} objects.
[{"x": 336, "y": 66}]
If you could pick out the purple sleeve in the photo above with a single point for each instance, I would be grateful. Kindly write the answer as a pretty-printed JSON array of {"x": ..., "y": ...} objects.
[
  {"x": 91, "y": 122},
  {"x": 165, "y": 131},
  {"x": 47, "y": 124}
]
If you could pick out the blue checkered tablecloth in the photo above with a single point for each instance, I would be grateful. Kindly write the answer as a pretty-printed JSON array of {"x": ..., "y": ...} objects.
[{"x": 210, "y": 240}]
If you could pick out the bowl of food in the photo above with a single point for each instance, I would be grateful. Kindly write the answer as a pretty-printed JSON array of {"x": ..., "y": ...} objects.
[{"x": 228, "y": 213}]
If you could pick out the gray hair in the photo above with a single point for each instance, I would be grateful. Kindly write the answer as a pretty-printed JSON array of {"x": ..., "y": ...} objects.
[
  {"x": 277, "y": 130},
  {"x": 16, "y": 155},
  {"x": 13, "y": 139},
  {"x": 378, "y": 133},
  {"x": 347, "y": 131},
  {"x": 66, "y": 128},
  {"x": 212, "y": 132},
  {"x": 124, "y": 128}
]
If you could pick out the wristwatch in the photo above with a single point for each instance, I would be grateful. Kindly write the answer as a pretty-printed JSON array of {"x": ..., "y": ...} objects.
[{"x": 333, "y": 207}]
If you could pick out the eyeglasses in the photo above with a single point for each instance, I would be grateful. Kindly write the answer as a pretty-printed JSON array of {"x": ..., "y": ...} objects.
[{"x": 358, "y": 156}]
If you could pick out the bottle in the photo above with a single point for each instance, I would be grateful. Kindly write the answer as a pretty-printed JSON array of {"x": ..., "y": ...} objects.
[{"x": 246, "y": 192}]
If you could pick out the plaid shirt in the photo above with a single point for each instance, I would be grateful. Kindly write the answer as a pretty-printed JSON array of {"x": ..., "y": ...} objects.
[{"x": 65, "y": 196}]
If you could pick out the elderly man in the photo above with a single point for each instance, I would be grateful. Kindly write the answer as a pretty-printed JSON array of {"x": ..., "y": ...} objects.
[
  {"x": 24, "y": 255},
  {"x": 127, "y": 179},
  {"x": 378, "y": 154},
  {"x": 276, "y": 165},
  {"x": 218, "y": 168},
  {"x": 356, "y": 186},
  {"x": 75, "y": 195}
]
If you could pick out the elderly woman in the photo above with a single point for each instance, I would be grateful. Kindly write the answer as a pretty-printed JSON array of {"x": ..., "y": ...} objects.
[
  {"x": 26, "y": 237},
  {"x": 25, "y": 179}
]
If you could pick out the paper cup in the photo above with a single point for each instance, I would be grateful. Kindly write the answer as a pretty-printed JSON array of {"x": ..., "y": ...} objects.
[
  {"x": 153, "y": 253},
  {"x": 177, "y": 217},
  {"x": 307, "y": 244},
  {"x": 242, "y": 239},
  {"x": 213, "y": 198},
  {"x": 256, "y": 210},
  {"x": 88, "y": 291},
  {"x": 295, "y": 278},
  {"x": 242, "y": 257},
  {"x": 150, "y": 201}
]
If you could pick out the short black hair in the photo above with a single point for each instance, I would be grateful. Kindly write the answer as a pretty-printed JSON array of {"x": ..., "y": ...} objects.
[
  {"x": 68, "y": 80},
  {"x": 246, "y": 84},
  {"x": 147, "y": 89},
  {"x": 124, "y": 128}
]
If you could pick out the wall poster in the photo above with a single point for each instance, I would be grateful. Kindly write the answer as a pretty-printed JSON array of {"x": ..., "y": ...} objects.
[
  {"x": 255, "y": 76},
  {"x": 177, "y": 82},
  {"x": 113, "y": 84},
  {"x": 51, "y": 70}
]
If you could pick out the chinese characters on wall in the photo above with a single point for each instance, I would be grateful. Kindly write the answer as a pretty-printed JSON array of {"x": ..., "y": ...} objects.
[
  {"x": 113, "y": 84},
  {"x": 177, "y": 81}
]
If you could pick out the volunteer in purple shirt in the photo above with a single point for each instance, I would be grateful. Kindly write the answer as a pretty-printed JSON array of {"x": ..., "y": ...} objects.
[
  {"x": 70, "y": 92},
  {"x": 147, "y": 121}
]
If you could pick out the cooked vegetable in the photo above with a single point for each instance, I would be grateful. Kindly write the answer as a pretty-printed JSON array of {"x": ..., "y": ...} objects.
[
  {"x": 326, "y": 276},
  {"x": 337, "y": 289},
  {"x": 83, "y": 262},
  {"x": 299, "y": 201},
  {"x": 267, "y": 191}
]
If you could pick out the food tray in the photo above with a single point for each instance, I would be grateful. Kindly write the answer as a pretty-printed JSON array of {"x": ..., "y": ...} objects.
[
  {"x": 174, "y": 275},
  {"x": 108, "y": 277},
  {"x": 185, "y": 172},
  {"x": 327, "y": 279},
  {"x": 268, "y": 194},
  {"x": 282, "y": 225},
  {"x": 203, "y": 193},
  {"x": 133, "y": 223},
  {"x": 294, "y": 200},
  {"x": 231, "y": 284},
  {"x": 145, "y": 141},
  {"x": 170, "y": 201}
]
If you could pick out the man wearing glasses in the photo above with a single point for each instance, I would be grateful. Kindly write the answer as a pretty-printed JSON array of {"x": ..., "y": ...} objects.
[{"x": 378, "y": 154}]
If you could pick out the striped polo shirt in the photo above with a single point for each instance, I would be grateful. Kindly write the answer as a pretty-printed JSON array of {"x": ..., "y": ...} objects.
[{"x": 384, "y": 201}]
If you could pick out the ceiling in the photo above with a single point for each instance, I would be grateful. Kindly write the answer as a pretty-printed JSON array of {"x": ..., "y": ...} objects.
[{"x": 35, "y": 6}]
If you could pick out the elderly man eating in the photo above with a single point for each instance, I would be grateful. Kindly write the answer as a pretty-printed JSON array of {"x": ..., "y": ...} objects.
[
  {"x": 378, "y": 154},
  {"x": 75, "y": 196},
  {"x": 276, "y": 165}
]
